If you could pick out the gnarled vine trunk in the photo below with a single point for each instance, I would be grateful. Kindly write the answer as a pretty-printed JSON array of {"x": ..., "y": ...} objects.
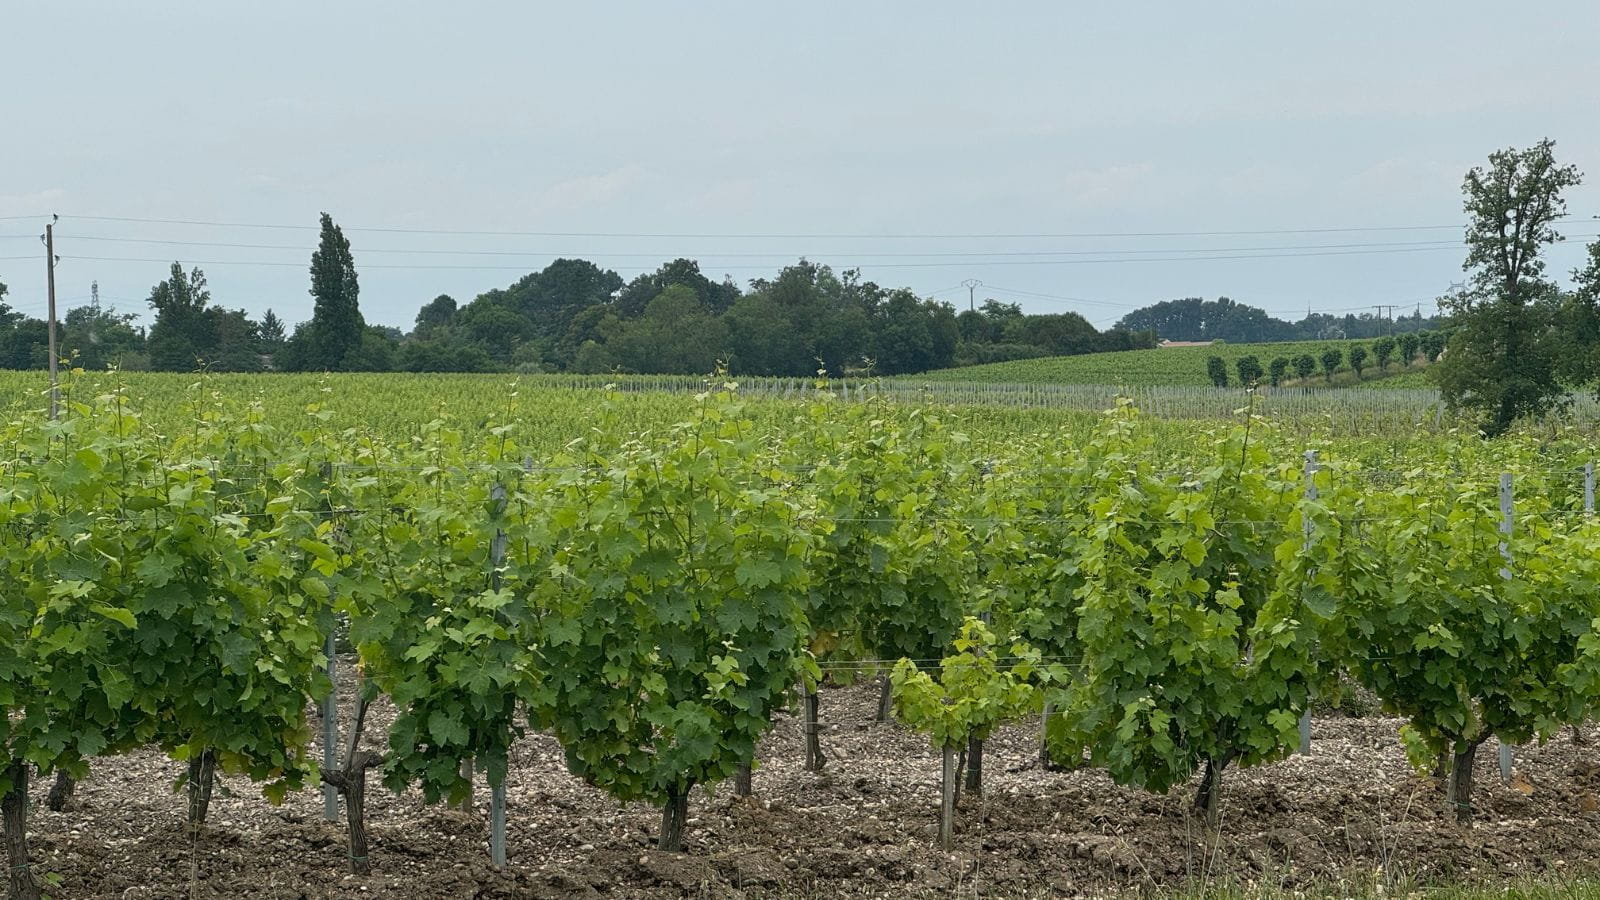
[
  {"x": 741, "y": 781},
  {"x": 1459, "y": 794},
  {"x": 61, "y": 791},
  {"x": 674, "y": 817},
  {"x": 14, "y": 811},
  {"x": 885, "y": 700},
  {"x": 815, "y": 759},
  {"x": 1208, "y": 799},
  {"x": 202, "y": 774},
  {"x": 351, "y": 782}
]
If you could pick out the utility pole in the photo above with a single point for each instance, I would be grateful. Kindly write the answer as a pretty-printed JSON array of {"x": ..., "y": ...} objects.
[
  {"x": 972, "y": 284},
  {"x": 1390, "y": 318},
  {"x": 49, "y": 238}
]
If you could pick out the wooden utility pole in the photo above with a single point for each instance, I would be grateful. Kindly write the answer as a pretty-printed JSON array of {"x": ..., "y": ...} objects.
[
  {"x": 972, "y": 284},
  {"x": 1389, "y": 318},
  {"x": 50, "y": 283}
]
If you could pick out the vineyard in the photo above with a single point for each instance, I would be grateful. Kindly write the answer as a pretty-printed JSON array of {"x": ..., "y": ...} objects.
[
  {"x": 1384, "y": 428},
  {"x": 647, "y": 593}
]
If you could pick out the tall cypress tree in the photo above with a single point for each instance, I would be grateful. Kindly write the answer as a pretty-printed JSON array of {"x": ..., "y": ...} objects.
[{"x": 336, "y": 323}]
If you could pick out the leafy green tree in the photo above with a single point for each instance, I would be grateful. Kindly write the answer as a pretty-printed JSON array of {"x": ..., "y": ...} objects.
[
  {"x": 1383, "y": 351},
  {"x": 717, "y": 298},
  {"x": 1358, "y": 359},
  {"x": 593, "y": 359},
  {"x": 1579, "y": 324},
  {"x": 496, "y": 330},
  {"x": 337, "y": 328},
  {"x": 1304, "y": 365},
  {"x": 1250, "y": 371},
  {"x": 1217, "y": 371},
  {"x": 1432, "y": 344},
  {"x": 1408, "y": 344},
  {"x": 676, "y": 334},
  {"x": 1504, "y": 349},
  {"x": 1278, "y": 369},
  {"x": 442, "y": 355},
  {"x": 376, "y": 352},
  {"x": 178, "y": 337},
  {"x": 94, "y": 337},
  {"x": 1195, "y": 319},
  {"x": 436, "y": 313},
  {"x": 761, "y": 339},
  {"x": 1332, "y": 358}
]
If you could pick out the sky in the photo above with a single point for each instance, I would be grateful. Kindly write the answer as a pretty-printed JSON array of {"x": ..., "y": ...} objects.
[{"x": 1068, "y": 156}]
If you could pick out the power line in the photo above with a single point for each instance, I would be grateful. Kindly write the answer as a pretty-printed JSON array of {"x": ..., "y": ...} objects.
[
  {"x": 783, "y": 235},
  {"x": 773, "y": 254},
  {"x": 872, "y": 265}
]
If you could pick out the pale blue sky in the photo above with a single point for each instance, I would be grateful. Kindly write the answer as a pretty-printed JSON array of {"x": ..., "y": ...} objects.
[{"x": 737, "y": 120}]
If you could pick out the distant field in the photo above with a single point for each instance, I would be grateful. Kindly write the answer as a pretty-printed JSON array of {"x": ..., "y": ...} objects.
[{"x": 1177, "y": 367}]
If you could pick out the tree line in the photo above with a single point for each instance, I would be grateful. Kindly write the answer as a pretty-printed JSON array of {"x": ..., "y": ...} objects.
[
  {"x": 1222, "y": 319},
  {"x": 572, "y": 316},
  {"x": 1404, "y": 349}
]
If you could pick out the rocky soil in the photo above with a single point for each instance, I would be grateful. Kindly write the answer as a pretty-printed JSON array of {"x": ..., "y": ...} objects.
[{"x": 1351, "y": 813}]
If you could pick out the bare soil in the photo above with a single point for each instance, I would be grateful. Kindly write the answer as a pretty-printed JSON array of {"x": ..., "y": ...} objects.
[{"x": 1351, "y": 814}]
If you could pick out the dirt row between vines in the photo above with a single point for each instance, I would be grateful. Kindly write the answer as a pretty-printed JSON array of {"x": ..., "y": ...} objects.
[{"x": 1352, "y": 811}]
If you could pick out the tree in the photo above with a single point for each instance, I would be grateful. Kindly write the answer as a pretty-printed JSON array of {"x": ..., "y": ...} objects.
[
  {"x": 1304, "y": 365},
  {"x": 1580, "y": 324},
  {"x": 94, "y": 337},
  {"x": 1408, "y": 344},
  {"x": 636, "y": 296},
  {"x": 1250, "y": 371},
  {"x": 1358, "y": 359},
  {"x": 906, "y": 338},
  {"x": 1383, "y": 350},
  {"x": 234, "y": 341},
  {"x": 1217, "y": 371},
  {"x": 1504, "y": 349},
  {"x": 1331, "y": 359},
  {"x": 436, "y": 313},
  {"x": 494, "y": 329},
  {"x": 676, "y": 334},
  {"x": 1277, "y": 369},
  {"x": 1432, "y": 343},
  {"x": 442, "y": 355},
  {"x": 337, "y": 328},
  {"x": 178, "y": 338},
  {"x": 272, "y": 332},
  {"x": 1194, "y": 319}
]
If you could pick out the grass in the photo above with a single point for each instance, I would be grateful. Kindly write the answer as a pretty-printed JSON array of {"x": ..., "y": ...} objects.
[{"x": 1177, "y": 366}]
